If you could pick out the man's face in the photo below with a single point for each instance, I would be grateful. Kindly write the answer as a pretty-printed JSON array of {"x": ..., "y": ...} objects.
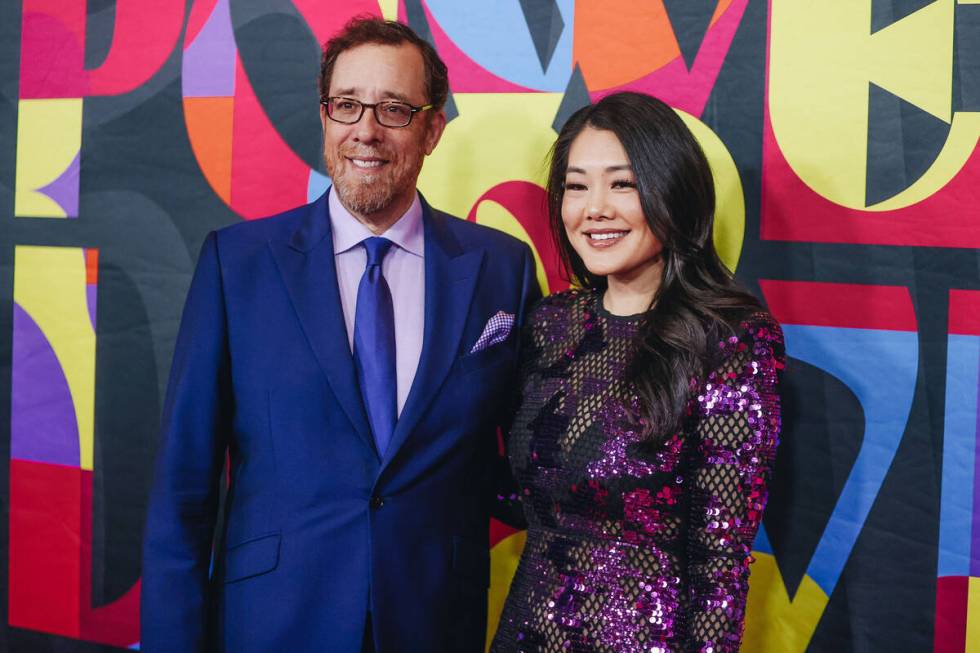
[{"x": 374, "y": 168}]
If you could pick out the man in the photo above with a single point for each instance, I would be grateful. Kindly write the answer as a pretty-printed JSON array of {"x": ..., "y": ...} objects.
[{"x": 353, "y": 357}]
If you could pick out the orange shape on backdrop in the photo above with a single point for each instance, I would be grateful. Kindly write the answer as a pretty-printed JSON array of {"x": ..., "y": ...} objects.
[
  {"x": 209, "y": 127},
  {"x": 91, "y": 266},
  {"x": 615, "y": 45},
  {"x": 722, "y": 7}
]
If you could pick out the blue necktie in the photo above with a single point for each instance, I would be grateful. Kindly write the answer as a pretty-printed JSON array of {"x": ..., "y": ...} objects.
[{"x": 374, "y": 345}]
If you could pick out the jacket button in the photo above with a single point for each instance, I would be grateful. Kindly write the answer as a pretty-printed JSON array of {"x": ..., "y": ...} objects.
[{"x": 376, "y": 502}]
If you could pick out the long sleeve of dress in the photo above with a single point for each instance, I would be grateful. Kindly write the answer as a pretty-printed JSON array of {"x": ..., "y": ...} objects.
[{"x": 738, "y": 430}]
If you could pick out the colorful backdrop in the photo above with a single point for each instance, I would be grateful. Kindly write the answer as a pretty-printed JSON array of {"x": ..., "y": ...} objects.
[{"x": 843, "y": 137}]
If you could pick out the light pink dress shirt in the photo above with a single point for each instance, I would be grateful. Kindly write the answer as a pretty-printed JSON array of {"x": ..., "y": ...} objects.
[{"x": 403, "y": 269}]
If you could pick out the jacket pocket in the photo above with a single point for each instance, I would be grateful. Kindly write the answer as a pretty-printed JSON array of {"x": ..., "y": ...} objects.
[
  {"x": 252, "y": 558},
  {"x": 471, "y": 561},
  {"x": 496, "y": 353}
]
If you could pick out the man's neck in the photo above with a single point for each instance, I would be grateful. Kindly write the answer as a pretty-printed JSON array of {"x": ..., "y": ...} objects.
[{"x": 380, "y": 221}]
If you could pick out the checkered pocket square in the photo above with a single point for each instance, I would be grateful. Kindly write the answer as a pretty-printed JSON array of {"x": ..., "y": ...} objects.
[{"x": 497, "y": 329}]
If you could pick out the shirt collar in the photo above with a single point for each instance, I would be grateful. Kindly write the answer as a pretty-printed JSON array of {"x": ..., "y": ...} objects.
[{"x": 349, "y": 232}]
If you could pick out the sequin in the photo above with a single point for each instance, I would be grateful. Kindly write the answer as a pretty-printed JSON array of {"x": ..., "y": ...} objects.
[{"x": 635, "y": 548}]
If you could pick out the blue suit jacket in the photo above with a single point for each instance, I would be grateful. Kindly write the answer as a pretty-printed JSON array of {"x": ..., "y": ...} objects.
[{"x": 319, "y": 530}]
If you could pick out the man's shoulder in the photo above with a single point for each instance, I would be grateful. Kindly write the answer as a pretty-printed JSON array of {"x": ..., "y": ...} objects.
[{"x": 260, "y": 230}]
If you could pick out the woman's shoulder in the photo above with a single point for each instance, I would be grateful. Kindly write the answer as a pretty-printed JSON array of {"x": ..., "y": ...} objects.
[
  {"x": 558, "y": 317},
  {"x": 561, "y": 305},
  {"x": 756, "y": 333},
  {"x": 760, "y": 324}
]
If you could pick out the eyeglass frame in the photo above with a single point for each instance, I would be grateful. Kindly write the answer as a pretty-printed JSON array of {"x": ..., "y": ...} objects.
[{"x": 374, "y": 109}]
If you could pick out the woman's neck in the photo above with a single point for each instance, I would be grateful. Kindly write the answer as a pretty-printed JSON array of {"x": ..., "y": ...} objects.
[{"x": 632, "y": 293}]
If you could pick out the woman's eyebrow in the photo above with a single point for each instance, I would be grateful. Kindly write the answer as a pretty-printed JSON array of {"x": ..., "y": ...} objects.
[{"x": 624, "y": 166}]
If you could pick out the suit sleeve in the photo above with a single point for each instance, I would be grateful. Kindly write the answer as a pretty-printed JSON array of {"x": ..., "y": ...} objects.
[
  {"x": 507, "y": 507},
  {"x": 737, "y": 434},
  {"x": 184, "y": 496}
]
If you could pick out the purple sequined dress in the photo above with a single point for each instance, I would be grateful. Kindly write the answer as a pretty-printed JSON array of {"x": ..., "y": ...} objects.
[{"x": 632, "y": 548}]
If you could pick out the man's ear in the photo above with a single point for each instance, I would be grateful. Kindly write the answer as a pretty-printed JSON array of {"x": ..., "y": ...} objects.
[
  {"x": 323, "y": 116},
  {"x": 433, "y": 130}
]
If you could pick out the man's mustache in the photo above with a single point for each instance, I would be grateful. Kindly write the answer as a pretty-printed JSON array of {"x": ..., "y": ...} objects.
[{"x": 366, "y": 153}]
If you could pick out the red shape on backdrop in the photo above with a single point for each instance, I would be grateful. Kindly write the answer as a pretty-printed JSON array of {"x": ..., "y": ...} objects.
[
  {"x": 52, "y": 50},
  {"x": 845, "y": 305},
  {"x": 964, "y": 312},
  {"x": 144, "y": 35},
  {"x": 116, "y": 623},
  {"x": 50, "y": 586},
  {"x": 53, "y": 47},
  {"x": 267, "y": 177},
  {"x": 198, "y": 18},
  {"x": 45, "y": 562},
  {"x": 793, "y": 211},
  {"x": 499, "y": 531},
  {"x": 528, "y": 203},
  {"x": 952, "y": 596},
  {"x": 324, "y": 18}
]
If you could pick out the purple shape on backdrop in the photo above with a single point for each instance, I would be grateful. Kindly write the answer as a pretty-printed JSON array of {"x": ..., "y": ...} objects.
[
  {"x": 91, "y": 297},
  {"x": 43, "y": 427},
  {"x": 64, "y": 189},
  {"x": 209, "y": 61},
  {"x": 975, "y": 545}
]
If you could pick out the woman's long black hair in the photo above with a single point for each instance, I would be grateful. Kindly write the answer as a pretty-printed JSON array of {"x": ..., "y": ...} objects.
[{"x": 698, "y": 301}]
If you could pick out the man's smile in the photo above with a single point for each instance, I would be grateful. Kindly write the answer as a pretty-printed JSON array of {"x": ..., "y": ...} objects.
[{"x": 367, "y": 163}]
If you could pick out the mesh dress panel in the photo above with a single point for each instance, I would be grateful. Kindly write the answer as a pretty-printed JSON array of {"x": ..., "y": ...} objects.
[{"x": 630, "y": 547}]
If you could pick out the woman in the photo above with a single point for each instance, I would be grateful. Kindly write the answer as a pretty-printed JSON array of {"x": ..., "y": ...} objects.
[{"x": 649, "y": 416}]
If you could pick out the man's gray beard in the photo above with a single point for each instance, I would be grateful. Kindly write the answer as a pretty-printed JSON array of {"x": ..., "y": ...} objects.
[{"x": 365, "y": 198}]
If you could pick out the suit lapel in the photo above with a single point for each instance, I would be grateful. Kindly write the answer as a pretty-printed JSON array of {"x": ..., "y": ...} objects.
[
  {"x": 306, "y": 264},
  {"x": 450, "y": 278}
]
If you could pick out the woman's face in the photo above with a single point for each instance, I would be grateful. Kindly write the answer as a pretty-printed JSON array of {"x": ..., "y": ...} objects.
[{"x": 602, "y": 214}]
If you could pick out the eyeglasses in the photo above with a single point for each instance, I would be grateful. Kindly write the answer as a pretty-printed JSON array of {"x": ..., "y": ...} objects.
[{"x": 389, "y": 113}]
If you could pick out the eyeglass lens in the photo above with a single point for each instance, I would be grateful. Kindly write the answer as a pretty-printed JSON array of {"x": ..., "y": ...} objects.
[{"x": 390, "y": 114}]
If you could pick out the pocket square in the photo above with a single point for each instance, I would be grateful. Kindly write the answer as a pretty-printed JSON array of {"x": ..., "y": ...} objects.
[{"x": 497, "y": 329}]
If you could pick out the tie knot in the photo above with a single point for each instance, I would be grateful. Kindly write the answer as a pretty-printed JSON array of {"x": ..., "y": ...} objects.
[{"x": 376, "y": 248}]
